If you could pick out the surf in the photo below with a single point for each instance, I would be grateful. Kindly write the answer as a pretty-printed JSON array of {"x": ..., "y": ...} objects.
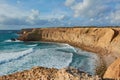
[
  {"x": 8, "y": 57},
  {"x": 18, "y": 56},
  {"x": 12, "y": 41}
]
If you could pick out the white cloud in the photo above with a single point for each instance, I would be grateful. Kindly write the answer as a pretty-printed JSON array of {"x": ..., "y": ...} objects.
[
  {"x": 69, "y": 2},
  {"x": 10, "y": 11},
  {"x": 12, "y": 15},
  {"x": 88, "y": 8},
  {"x": 34, "y": 15},
  {"x": 115, "y": 17},
  {"x": 105, "y": 12},
  {"x": 55, "y": 14}
]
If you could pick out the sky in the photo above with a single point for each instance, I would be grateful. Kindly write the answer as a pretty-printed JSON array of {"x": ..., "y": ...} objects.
[{"x": 19, "y": 14}]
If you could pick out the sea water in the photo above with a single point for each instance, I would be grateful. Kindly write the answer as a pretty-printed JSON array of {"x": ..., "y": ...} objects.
[{"x": 18, "y": 55}]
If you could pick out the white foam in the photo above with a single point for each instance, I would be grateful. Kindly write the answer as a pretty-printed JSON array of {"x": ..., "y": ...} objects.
[
  {"x": 63, "y": 45},
  {"x": 33, "y": 45},
  {"x": 12, "y": 41},
  {"x": 67, "y": 46},
  {"x": 6, "y": 57},
  {"x": 90, "y": 62},
  {"x": 52, "y": 58}
]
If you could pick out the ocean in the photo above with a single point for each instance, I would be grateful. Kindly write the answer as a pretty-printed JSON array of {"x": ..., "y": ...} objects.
[{"x": 18, "y": 55}]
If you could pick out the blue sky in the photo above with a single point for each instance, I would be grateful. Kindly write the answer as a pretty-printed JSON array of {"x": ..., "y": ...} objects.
[{"x": 18, "y": 14}]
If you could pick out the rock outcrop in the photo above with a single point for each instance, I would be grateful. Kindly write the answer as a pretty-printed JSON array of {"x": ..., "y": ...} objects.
[
  {"x": 113, "y": 71},
  {"x": 41, "y": 73}
]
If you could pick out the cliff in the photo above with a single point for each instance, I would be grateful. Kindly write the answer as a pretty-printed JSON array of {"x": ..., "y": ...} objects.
[
  {"x": 41, "y": 73},
  {"x": 102, "y": 41},
  {"x": 113, "y": 71}
]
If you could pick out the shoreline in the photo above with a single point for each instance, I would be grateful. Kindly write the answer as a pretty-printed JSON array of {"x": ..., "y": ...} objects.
[
  {"x": 4, "y": 77},
  {"x": 78, "y": 50},
  {"x": 64, "y": 44},
  {"x": 102, "y": 41},
  {"x": 99, "y": 65}
]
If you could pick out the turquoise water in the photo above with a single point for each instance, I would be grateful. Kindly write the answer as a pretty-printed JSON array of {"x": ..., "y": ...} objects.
[{"x": 17, "y": 55}]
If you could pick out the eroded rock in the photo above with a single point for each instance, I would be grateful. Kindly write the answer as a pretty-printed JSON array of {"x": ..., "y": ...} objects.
[{"x": 41, "y": 73}]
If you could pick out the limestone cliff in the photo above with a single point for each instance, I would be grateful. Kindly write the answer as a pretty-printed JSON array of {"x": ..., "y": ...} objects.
[
  {"x": 41, "y": 73},
  {"x": 113, "y": 71}
]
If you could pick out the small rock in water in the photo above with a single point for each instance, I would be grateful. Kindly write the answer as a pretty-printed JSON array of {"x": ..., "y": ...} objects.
[{"x": 13, "y": 39}]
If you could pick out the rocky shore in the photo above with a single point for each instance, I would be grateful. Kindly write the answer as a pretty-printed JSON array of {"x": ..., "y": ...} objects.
[
  {"x": 41, "y": 73},
  {"x": 103, "y": 41}
]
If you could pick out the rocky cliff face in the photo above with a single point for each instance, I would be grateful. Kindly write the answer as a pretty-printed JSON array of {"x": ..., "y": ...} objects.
[
  {"x": 41, "y": 73},
  {"x": 113, "y": 71},
  {"x": 103, "y": 41}
]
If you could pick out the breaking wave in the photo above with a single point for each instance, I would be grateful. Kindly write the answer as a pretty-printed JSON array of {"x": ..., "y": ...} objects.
[
  {"x": 47, "y": 55},
  {"x": 8, "y": 57},
  {"x": 12, "y": 41}
]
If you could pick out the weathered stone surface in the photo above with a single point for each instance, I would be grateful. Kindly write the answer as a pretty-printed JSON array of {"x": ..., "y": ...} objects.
[
  {"x": 113, "y": 71},
  {"x": 41, "y": 73}
]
